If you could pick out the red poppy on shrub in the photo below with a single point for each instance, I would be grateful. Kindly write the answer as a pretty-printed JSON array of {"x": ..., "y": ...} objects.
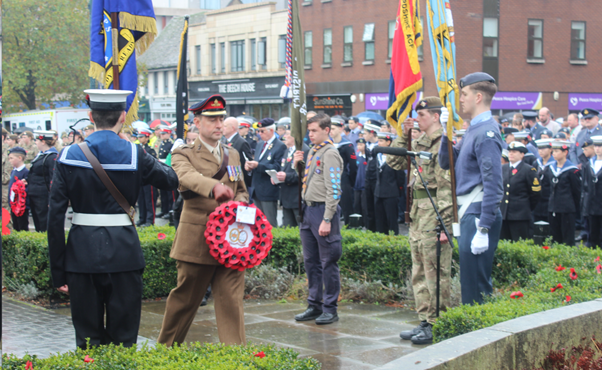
[
  {"x": 88, "y": 359},
  {"x": 161, "y": 236},
  {"x": 28, "y": 365},
  {"x": 516, "y": 294},
  {"x": 560, "y": 268},
  {"x": 545, "y": 247},
  {"x": 260, "y": 354},
  {"x": 598, "y": 259},
  {"x": 599, "y": 268},
  {"x": 573, "y": 275},
  {"x": 553, "y": 289},
  {"x": 568, "y": 298},
  {"x": 559, "y": 286}
]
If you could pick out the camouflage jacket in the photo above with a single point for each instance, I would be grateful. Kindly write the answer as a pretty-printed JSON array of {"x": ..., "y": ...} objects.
[
  {"x": 437, "y": 178},
  {"x": 7, "y": 168}
]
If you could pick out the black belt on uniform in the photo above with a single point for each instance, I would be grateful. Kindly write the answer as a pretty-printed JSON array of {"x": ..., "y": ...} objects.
[{"x": 312, "y": 203}]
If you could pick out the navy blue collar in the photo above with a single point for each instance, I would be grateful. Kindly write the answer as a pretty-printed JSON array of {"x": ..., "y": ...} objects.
[{"x": 111, "y": 151}]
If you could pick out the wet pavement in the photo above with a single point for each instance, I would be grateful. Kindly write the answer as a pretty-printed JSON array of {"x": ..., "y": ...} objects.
[{"x": 365, "y": 337}]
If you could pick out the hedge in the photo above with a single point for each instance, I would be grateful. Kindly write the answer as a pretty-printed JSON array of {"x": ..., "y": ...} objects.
[{"x": 191, "y": 356}]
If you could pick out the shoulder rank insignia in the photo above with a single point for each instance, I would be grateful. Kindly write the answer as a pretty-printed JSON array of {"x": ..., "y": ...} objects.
[{"x": 490, "y": 134}]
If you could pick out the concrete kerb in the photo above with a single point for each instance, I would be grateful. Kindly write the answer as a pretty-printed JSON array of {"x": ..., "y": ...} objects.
[{"x": 516, "y": 344}]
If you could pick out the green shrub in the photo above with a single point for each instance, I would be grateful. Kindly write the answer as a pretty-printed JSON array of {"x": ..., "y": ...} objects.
[{"x": 191, "y": 356}]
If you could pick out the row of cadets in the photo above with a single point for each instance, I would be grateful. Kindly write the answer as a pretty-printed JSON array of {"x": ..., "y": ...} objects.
[{"x": 349, "y": 170}]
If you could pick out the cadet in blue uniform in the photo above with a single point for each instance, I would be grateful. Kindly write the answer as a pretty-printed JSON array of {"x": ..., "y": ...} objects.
[
  {"x": 390, "y": 183},
  {"x": 370, "y": 178},
  {"x": 531, "y": 157},
  {"x": 146, "y": 198},
  {"x": 591, "y": 190},
  {"x": 479, "y": 186},
  {"x": 563, "y": 178},
  {"x": 360, "y": 176},
  {"x": 16, "y": 157},
  {"x": 167, "y": 197},
  {"x": 101, "y": 265},
  {"x": 590, "y": 128},
  {"x": 521, "y": 194},
  {"x": 268, "y": 156},
  {"x": 39, "y": 178},
  {"x": 531, "y": 123},
  {"x": 349, "y": 170},
  {"x": 320, "y": 229}
]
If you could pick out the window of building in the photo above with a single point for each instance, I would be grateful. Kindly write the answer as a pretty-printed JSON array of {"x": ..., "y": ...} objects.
[
  {"x": 490, "y": 45},
  {"x": 308, "y": 48},
  {"x": 348, "y": 39},
  {"x": 198, "y": 58},
  {"x": 156, "y": 83},
  {"x": 369, "y": 41},
  {"x": 262, "y": 49},
  {"x": 282, "y": 51},
  {"x": 578, "y": 51},
  {"x": 391, "y": 29},
  {"x": 253, "y": 54},
  {"x": 237, "y": 56},
  {"x": 222, "y": 57},
  {"x": 165, "y": 82},
  {"x": 327, "y": 42},
  {"x": 212, "y": 49},
  {"x": 535, "y": 38}
]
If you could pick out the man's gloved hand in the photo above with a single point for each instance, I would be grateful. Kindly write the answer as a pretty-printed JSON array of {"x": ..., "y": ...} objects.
[
  {"x": 222, "y": 193},
  {"x": 479, "y": 244},
  {"x": 444, "y": 118}
]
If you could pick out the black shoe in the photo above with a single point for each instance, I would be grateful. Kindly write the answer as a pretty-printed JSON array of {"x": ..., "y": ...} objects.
[
  {"x": 407, "y": 335},
  {"x": 310, "y": 314},
  {"x": 327, "y": 318},
  {"x": 203, "y": 302},
  {"x": 140, "y": 222},
  {"x": 425, "y": 336}
]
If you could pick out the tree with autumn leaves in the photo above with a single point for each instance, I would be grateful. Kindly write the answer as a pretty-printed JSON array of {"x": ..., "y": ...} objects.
[{"x": 46, "y": 49}]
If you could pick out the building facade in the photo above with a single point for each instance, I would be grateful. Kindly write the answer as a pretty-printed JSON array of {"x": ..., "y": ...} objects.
[{"x": 543, "y": 53}]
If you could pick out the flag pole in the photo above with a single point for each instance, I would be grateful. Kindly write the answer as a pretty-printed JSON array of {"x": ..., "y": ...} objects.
[
  {"x": 115, "y": 59},
  {"x": 408, "y": 188},
  {"x": 452, "y": 175},
  {"x": 182, "y": 86}
]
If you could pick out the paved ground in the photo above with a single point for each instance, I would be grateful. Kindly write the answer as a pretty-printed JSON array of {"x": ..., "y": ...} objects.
[{"x": 365, "y": 337}]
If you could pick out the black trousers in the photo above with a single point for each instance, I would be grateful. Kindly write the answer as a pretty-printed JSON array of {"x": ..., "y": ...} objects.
[
  {"x": 119, "y": 295},
  {"x": 39, "y": 210},
  {"x": 359, "y": 205},
  {"x": 347, "y": 199},
  {"x": 386, "y": 215},
  {"x": 20, "y": 223},
  {"x": 563, "y": 227},
  {"x": 514, "y": 230},
  {"x": 146, "y": 205},
  {"x": 594, "y": 230},
  {"x": 167, "y": 201},
  {"x": 290, "y": 217},
  {"x": 368, "y": 195}
]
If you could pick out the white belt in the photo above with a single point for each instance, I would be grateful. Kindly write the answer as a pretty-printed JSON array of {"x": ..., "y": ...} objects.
[
  {"x": 476, "y": 195},
  {"x": 101, "y": 220}
]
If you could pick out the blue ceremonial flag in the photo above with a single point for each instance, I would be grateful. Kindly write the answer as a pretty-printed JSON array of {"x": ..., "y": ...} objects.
[
  {"x": 443, "y": 53},
  {"x": 136, "y": 31}
]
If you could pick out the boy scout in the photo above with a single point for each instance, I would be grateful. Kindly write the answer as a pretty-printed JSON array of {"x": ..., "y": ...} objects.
[
  {"x": 204, "y": 184},
  {"x": 422, "y": 235},
  {"x": 319, "y": 231}
]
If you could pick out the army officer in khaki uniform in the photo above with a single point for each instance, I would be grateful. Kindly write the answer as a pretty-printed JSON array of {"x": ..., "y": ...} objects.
[{"x": 197, "y": 165}]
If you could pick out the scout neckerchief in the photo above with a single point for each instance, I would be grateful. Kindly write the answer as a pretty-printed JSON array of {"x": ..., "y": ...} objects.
[{"x": 314, "y": 150}]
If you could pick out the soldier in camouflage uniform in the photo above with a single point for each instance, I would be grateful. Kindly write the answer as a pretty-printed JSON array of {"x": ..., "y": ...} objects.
[
  {"x": 27, "y": 142},
  {"x": 6, "y": 170},
  {"x": 422, "y": 235}
]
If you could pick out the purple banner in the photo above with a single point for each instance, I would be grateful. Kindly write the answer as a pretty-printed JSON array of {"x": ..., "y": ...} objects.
[
  {"x": 517, "y": 100},
  {"x": 580, "y": 101},
  {"x": 380, "y": 101}
]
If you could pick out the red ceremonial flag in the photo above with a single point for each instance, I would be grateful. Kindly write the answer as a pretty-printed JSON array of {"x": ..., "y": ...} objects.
[{"x": 405, "y": 79}]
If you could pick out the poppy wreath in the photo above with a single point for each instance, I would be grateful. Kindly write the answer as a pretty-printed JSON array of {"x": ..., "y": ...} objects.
[
  {"x": 17, "y": 205},
  {"x": 248, "y": 250}
]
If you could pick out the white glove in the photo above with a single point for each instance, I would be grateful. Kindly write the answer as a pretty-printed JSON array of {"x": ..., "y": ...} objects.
[
  {"x": 179, "y": 142},
  {"x": 444, "y": 117},
  {"x": 479, "y": 243}
]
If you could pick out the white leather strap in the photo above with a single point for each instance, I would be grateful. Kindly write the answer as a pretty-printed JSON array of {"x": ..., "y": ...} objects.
[
  {"x": 476, "y": 195},
  {"x": 101, "y": 220}
]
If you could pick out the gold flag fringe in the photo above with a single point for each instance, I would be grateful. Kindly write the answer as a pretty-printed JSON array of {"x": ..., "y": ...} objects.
[
  {"x": 97, "y": 72},
  {"x": 132, "y": 114},
  {"x": 143, "y": 43},
  {"x": 137, "y": 23}
]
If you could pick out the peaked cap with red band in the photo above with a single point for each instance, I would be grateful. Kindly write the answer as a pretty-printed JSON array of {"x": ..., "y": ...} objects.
[{"x": 212, "y": 106}]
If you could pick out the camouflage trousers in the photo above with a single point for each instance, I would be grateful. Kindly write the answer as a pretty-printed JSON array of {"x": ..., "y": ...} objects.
[{"x": 424, "y": 264}]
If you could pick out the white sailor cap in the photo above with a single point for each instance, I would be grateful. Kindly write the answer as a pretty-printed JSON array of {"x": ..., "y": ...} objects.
[
  {"x": 107, "y": 99},
  {"x": 384, "y": 135},
  {"x": 371, "y": 127},
  {"x": 597, "y": 140},
  {"x": 518, "y": 146},
  {"x": 544, "y": 143},
  {"x": 43, "y": 134},
  {"x": 460, "y": 132},
  {"x": 522, "y": 135},
  {"x": 560, "y": 144}
]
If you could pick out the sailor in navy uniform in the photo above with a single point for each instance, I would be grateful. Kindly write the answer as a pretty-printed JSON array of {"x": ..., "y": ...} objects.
[
  {"x": 360, "y": 177},
  {"x": 479, "y": 190},
  {"x": 590, "y": 127},
  {"x": 269, "y": 154},
  {"x": 531, "y": 123},
  {"x": 390, "y": 184},
  {"x": 289, "y": 187},
  {"x": 167, "y": 197},
  {"x": 541, "y": 212},
  {"x": 146, "y": 198},
  {"x": 563, "y": 178},
  {"x": 370, "y": 179},
  {"x": 531, "y": 157},
  {"x": 40, "y": 177},
  {"x": 521, "y": 194},
  {"x": 101, "y": 265},
  {"x": 591, "y": 194},
  {"x": 349, "y": 170}
]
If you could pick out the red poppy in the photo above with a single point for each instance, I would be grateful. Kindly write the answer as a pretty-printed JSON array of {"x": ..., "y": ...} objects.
[
  {"x": 353, "y": 157},
  {"x": 260, "y": 354},
  {"x": 599, "y": 268},
  {"x": 573, "y": 275},
  {"x": 560, "y": 268},
  {"x": 598, "y": 259},
  {"x": 161, "y": 236},
  {"x": 28, "y": 365},
  {"x": 559, "y": 286},
  {"x": 420, "y": 169},
  {"x": 568, "y": 298},
  {"x": 514, "y": 171},
  {"x": 318, "y": 163},
  {"x": 88, "y": 359},
  {"x": 545, "y": 247},
  {"x": 364, "y": 163},
  {"x": 553, "y": 289},
  {"x": 516, "y": 294}
]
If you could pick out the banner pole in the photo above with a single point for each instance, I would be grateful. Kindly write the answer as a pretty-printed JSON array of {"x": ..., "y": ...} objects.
[{"x": 115, "y": 38}]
